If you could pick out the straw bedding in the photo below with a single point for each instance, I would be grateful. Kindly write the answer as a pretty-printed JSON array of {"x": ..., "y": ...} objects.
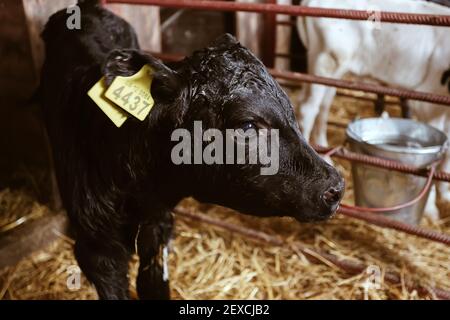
[{"x": 210, "y": 263}]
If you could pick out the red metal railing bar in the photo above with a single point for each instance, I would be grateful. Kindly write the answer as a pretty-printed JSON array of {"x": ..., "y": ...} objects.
[
  {"x": 361, "y": 86},
  {"x": 394, "y": 17},
  {"x": 384, "y": 163},
  {"x": 382, "y": 221}
]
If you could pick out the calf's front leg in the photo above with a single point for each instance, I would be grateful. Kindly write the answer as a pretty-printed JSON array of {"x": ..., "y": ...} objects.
[
  {"x": 152, "y": 239},
  {"x": 105, "y": 265}
]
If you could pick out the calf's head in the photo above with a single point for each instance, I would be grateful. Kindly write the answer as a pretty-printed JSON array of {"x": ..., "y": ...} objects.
[{"x": 226, "y": 88}]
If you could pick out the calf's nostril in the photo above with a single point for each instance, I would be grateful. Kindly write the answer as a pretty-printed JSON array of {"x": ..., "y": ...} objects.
[{"x": 332, "y": 196}]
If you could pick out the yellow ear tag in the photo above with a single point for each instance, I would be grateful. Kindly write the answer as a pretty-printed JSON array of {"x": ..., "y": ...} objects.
[
  {"x": 132, "y": 94},
  {"x": 117, "y": 115}
]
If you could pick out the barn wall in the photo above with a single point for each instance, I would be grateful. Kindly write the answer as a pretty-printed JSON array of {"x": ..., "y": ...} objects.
[
  {"x": 20, "y": 134},
  {"x": 145, "y": 20},
  {"x": 15, "y": 64},
  {"x": 22, "y": 143}
]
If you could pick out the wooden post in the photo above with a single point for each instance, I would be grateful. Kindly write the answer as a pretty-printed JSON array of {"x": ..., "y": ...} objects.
[
  {"x": 269, "y": 37},
  {"x": 20, "y": 133}
]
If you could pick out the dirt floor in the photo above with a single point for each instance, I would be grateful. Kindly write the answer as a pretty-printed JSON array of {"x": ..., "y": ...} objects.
[{"x": 210, "y": 263}]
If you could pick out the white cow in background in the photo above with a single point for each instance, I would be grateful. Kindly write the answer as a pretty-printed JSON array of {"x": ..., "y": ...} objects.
[{"x": 408, "y": 56}]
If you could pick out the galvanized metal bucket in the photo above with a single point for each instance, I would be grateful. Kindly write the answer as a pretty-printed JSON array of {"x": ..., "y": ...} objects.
[{"x": 403, "y": 140}]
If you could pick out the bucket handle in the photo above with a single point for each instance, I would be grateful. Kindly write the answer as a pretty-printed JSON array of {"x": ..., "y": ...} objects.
[{"x": 404, "y": 205}]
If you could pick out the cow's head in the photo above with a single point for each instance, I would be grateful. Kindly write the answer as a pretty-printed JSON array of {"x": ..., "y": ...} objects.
[{"x": 226, "y": 87}]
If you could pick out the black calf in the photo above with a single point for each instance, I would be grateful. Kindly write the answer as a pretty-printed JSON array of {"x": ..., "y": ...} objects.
[{"x": 119, "y": 185}]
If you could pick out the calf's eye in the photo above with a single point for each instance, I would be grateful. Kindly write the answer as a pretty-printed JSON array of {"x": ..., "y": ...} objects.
[
  {"x": 247, "y": 126},
  {"x": 246, "y": 130}
]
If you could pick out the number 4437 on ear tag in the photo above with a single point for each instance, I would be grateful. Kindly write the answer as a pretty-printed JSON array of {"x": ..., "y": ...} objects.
[{"x": 133, "y": 93}]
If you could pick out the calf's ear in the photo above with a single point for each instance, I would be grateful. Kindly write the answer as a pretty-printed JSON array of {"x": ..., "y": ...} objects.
[
  {"x": 224, "y": 41},
  {"x": 166, "y": 84}
]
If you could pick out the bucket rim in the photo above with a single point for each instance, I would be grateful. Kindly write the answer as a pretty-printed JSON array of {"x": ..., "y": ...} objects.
[{"x": 433, "y": 149}]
